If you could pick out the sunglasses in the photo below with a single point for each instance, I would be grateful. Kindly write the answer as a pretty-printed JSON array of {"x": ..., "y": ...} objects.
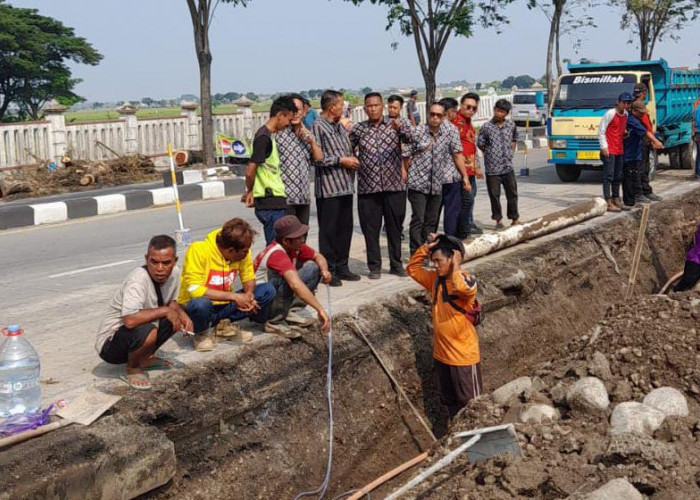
[
  {"x": 436, "y": 115},
  {"x": 469, "y": 107}
]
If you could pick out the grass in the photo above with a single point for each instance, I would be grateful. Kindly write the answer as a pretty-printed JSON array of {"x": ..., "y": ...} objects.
[{"x": 97, "y": 115}]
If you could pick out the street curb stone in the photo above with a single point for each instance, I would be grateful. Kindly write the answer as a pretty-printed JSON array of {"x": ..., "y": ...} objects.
[{"x": 90, "y": 206}]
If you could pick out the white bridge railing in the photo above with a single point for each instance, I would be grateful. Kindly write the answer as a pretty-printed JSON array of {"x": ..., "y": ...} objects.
[{"x": 25, "y": 143}]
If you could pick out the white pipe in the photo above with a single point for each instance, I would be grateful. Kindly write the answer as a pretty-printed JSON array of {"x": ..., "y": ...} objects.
[{"x": 440, "y": 464}]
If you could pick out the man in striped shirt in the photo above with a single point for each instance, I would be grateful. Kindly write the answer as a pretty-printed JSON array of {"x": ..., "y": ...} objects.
[{"x": 334, "y": 187}]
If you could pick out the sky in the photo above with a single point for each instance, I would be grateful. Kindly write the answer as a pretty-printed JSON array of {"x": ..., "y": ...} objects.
[{"x": 292, "y": 45}]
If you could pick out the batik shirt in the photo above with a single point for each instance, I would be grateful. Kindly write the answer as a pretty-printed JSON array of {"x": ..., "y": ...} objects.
[
  {"x": 379, "y": 152},
  {"x": 497, "y": 144},
  {"x": 295, "y": 157},
  {"x": 432, "y": 162},
  {"x": 332, "y": 180}
]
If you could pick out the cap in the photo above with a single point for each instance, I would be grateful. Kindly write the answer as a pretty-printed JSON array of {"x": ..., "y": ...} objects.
[
  {"x": 639, "y": 89},
  {"x": 446, "y": 242},
  {"x": 639, "y": 107},
  {"x": 290, "y": 227},
  {"x": 414, "y": 92},
  {"x": 626, "y": 96}
]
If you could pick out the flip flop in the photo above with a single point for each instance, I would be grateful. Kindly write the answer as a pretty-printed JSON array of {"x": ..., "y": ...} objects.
[
  {"x": 160, "y": 364},
  {"x": 129, "y": 379}
]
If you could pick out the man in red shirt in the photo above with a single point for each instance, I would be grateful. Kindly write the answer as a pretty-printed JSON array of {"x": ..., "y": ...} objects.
[
  {"x": 611, "y": 133},
  {"x": 294, "y": 269},
  {"x": 468, "y": 106},
  {"x": 640, "y": 95}
]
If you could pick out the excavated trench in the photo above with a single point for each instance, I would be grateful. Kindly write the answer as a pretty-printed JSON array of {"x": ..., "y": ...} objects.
[{"x": 256, "y": 426}]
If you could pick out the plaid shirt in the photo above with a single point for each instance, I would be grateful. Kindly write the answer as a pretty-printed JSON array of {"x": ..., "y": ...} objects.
[
  {"x": 332, "y": 180},
  {"x": 295, "y": 158},
  {"x": 432, "y": 164},
  {"x": 497, "y": 144},
  {"x": 379, "y": 152}
]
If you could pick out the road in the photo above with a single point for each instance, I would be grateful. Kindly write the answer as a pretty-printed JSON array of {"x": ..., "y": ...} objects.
[{"x": 58, "y": 278}]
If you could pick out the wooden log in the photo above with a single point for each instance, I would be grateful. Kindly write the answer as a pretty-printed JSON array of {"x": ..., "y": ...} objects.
[
  {"x": 492, "y": 242},
  {"x": 13, "y": 186},
  {"x": 87, "y": 179}
]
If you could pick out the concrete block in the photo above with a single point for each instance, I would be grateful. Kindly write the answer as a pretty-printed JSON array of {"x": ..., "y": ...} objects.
[
  {"x": 234, "y": 186},
  {"x": 190, "y": 192},
  {"x": 16, "y": 217},
  {"x": 540, "y": 142},
  {"x": 81, "y": 207},
  {"x": 182, "y": 177},
  {"x": 213, "y": 189},
  {"x": 110, "y": 204},
  {"x": 108, "y": 460},
  {"x": 46, "y": 213},
  {"x": 138, "y": 199},
  {"x": 162, "y": 196}
]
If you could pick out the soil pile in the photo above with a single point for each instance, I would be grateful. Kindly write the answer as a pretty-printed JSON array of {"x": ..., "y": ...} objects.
[
  {"x": 46, "y": 178},
  {"x": 648, "y": 343}
]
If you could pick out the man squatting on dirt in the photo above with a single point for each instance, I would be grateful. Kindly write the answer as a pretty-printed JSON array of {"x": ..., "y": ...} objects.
[{"x": 453, "y": 293}]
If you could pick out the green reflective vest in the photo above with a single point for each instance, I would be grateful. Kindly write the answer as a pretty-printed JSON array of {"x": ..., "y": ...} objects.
[{"x": 268, "y": 176}]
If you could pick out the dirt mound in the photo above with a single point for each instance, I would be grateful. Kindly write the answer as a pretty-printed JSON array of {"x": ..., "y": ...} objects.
[{"x": 641, "y": 345}]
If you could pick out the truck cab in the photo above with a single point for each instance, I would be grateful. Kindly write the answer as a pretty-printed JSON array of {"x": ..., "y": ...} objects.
[{"x": 583, "y": 96}]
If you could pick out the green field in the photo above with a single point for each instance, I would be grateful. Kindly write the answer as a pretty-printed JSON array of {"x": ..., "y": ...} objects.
[{"x": 97, "y": 115}]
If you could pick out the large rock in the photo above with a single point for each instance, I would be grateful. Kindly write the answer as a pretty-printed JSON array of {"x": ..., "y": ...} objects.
[
  {"x": 588, "y": 395},
  {"x": 599, "y": 367},
  {"x": 617, "y": 489},
  {"x": 632, "y": 449},
  {"x": 635, "y": 418},
  {"x": 669, "y": 401},
  {"x": 512, "y": 388},
  {"x": 536, "y": 413}
]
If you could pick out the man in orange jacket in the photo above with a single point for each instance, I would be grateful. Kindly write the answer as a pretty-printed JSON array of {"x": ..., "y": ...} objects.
[{"x": 453, "y": 293}]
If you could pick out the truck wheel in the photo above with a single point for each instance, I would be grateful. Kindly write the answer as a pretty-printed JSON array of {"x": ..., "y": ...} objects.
[
  {"x": 568, "y": 173},
  {"x": 674, "y": 158},
  {"x": 687, "y": 161}
]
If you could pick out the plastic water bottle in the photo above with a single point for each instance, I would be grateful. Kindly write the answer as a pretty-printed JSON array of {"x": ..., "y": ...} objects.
[{"x": 19, "y": 374}]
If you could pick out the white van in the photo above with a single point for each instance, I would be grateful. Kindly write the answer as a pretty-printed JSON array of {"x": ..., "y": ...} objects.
[{"x": 530, "y": 104}]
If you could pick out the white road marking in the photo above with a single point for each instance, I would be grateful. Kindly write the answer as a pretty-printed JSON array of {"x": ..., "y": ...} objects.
[{"x": 93, "y": 268}]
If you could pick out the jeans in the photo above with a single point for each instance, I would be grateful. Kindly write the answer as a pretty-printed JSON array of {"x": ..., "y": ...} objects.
[
  {"x": 612, "y": 176},
  {"x": 309, "y": 273},
  {"x": 632, "y": 181},
  {"x": 204, "y": 313},
  {"x": 697, "y": 156},
  {"x": 268, "y": 218},
  {"x": 510, "y": 186},
  {"x": 425, "y": 211},
  {"x": 452, "y": 202},
  {"x": 466, "y": 211}
]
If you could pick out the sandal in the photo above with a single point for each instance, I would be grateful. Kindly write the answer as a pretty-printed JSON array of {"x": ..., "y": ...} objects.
[
  {"x": 132, "y": 380},
  {"x": 159, "y": 364}
]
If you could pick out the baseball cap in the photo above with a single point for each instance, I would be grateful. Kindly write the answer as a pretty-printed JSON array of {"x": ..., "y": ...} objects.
[
  {"x": 639, "y": 89},
  {"x": 626, "y": 96},
  {"x": 414, "y": 92},
  {"x": 289, "y": 226}
]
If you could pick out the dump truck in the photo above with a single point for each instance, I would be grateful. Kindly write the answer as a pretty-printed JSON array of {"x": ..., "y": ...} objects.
[{"x": 584, "y": 95}]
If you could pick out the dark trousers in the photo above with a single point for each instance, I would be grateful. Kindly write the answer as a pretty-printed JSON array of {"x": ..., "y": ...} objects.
[
  {"x": 372, "y": 208},
  {"x": 204, "y": 313},
  {"x": 335, "y": 225},
  {"x": 697, "y": 156},
  {"x": 309, "y": 273},
  {"x": 452, "y": 203},
  {"x": 125, "y": 340},
  {"x": 466, "y": 211},
  {"x": 268, "y": 218},
  {"x": 457, "y": 384},
  {"x": 644, "y": 167},
  {"x": 631, "y": 180},
  {"x": 691, "y": 275},
  {"x": 425, "y": 212},
  {"x": 612, "y": 176},
  {"x": 510, "y": 186},
  {"x": 302, "y": 212}
]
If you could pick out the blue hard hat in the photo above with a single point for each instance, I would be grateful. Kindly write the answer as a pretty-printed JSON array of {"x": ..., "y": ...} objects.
[{"x": 625, "y": 96}]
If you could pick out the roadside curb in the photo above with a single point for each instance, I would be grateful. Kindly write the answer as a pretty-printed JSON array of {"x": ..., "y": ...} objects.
[{"x": 59, "y": 211}]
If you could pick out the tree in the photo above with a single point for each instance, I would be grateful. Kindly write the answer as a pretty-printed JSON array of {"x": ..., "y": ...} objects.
[
  {"x": 431, "y": 23},
  {"x": 574, "y": 18},
  {"x": 252, "y": 96},
  {"x": 202, "y": 13},
  {"x": 651, "y": 21},
  {"x": 34, "y": 50},
  {"x": 147, "y": 101},
  {"x": 366, "y": 90},
  {"x": 522, "y": 82}
]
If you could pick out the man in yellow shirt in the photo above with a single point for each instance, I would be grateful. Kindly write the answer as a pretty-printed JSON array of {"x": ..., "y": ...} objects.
[
  {"x": 456, "y": 345},
  {"x": 206, "y": 286}
]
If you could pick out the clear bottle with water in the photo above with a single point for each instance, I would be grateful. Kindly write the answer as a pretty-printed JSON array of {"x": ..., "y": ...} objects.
[{"x": 19, "y": 374}]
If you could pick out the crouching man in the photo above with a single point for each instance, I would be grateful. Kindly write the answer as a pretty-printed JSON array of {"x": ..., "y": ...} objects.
[
  {"x": 143, "y": 314},
  {"x": 294, "y": 269},
  {"x": 206, "y": 289},
  {"x": 453, "y": 293}
]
